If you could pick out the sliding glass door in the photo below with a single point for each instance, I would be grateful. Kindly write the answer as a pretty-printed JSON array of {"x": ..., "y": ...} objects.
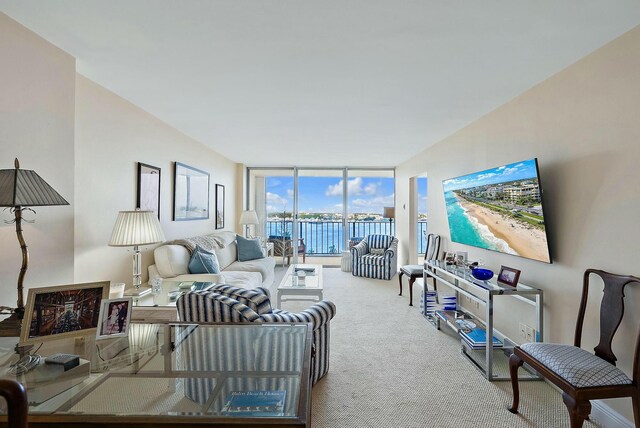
[{"x": 323, "y": 209}]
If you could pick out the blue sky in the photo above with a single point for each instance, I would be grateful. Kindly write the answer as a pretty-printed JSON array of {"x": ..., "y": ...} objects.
[
  {"x": 515, "y": 171},
  {"x": 324, "y": 194}
]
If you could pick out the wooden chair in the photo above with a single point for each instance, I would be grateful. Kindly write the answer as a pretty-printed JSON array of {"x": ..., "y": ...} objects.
[
  {"x": 581, "y": 375},
  {"x": 17, "y": 407},
  {"x": 415, "y": 271}
]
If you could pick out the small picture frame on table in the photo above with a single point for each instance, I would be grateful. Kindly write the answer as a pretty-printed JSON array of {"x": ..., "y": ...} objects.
[
  {"x": 461, "y": 258},
  {"x": 449, "y": 257},
  {"x": 508, "y": 276},
  {"x": 115, "y": 318}
]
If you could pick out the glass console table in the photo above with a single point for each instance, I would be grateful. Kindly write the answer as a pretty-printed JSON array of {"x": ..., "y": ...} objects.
[
  {"x": 492, "y": 361},
  {"x": 180, "y": 374}
]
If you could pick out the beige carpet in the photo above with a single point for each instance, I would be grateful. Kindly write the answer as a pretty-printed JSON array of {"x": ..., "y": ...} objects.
[{"x": 390, "y": 368}]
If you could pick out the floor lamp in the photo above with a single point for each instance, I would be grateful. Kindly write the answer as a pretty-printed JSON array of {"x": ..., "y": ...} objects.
[
  {"x": 132, "y": 229},
  {"x": 390, "y": 213},
  {"x": 21, "y": 189}
]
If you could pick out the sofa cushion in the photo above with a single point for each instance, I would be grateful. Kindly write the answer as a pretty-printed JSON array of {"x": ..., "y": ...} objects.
[
  {"x": 265, "y": 266},
  {"x": 171, "y": 260},
  {"x": 248, "y": 249},
  {"x": 203, "y": 261},
  {"x": 242, "y": 279},
  {"x": 372, "y": 259}
]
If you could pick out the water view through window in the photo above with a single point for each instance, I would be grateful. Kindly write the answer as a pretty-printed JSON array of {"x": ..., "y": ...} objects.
[{"x": 321, "y": 210}]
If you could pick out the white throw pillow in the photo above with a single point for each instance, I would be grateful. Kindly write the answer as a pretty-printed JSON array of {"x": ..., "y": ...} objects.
[{"x": 171, "y": 260}]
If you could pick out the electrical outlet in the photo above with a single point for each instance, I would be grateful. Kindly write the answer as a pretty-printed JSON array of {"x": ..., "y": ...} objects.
[
  {"x": 523, "y": 331},
  {"x": 530, "y": 334}
]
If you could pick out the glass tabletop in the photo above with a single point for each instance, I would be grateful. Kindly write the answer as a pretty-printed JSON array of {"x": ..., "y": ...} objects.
[{"x": 204, "y": 371}]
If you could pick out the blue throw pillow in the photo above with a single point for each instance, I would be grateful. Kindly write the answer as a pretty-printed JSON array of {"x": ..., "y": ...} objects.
[
  {"x": 248, "y": 249},
  {"x": 203, "y": 261}
]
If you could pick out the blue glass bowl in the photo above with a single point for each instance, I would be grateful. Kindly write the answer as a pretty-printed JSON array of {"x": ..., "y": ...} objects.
[{"x": 482, "y": 274}]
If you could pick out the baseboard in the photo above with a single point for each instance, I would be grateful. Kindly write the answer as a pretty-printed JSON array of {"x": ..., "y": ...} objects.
[{"x": 607, "y": 417}]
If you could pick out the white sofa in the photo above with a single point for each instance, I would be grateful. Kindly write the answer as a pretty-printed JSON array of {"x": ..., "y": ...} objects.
[{"x": 172, "y": 261}]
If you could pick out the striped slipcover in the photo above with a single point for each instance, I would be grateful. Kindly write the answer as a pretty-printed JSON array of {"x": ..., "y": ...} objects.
[
  {"x": 224, "y": 303},
  {"x": 367, "y": 263}
]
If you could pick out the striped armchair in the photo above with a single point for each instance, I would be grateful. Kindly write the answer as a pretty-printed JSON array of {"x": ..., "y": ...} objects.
[
  {"x": 225, "y": 303},
  {"x": 376, "y": 256}
]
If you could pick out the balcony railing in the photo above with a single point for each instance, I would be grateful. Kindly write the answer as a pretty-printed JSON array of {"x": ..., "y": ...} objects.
[{"x": 325, "y": 237}]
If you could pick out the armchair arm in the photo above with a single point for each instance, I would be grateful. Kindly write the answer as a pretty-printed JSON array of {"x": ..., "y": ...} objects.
[
  {"x": 359, "y": 249},
  {"x": 318, "y": 315},
  {"x": 390, "y": 252}
]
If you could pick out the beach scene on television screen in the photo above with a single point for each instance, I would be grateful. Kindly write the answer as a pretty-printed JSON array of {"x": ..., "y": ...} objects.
[
  {"x": 64, "y": 311},
  {"x": 499, "y": 209}
]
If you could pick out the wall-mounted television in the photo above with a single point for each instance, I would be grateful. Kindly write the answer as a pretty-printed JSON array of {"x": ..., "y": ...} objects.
[{"x": 499, "y": 209}]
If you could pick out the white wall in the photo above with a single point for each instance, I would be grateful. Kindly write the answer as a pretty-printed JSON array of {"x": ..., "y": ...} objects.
[
  {"x": 112, "y": 135},
  {"x": 582, "y": 125},
  {"x": 85, "y": 142},
  {"x": 36, "y": 125}
]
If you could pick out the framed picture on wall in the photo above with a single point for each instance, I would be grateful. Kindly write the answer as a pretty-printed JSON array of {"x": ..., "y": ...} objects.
[
  {"x": 190, "y": 193},
  {"x": 219, "y": 206},
  {"x": 148, "y": 198}
]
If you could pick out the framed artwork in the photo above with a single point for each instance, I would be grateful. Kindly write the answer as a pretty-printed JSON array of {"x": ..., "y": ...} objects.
[
  {"x": 62, "y": 311},
  {"x": 148, "y": 188},
  {"x": 219, "y": 206},
  {"x": 190, "y": 193},
  {"x": 450, "y": 257},
  {"x": 508, "y": 276},
  {"x": 115, "y": 318}
]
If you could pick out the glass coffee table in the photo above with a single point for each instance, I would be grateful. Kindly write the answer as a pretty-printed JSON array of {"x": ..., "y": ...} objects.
[
  {"x": 295, "y": 287},
  {"x": 184, "y": 374}
]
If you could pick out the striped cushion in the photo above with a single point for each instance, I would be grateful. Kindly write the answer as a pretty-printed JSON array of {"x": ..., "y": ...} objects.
[
  {"x": 257, "y": 298},
  {"x": 578, "y": 367},
  {"x": 379, "y": 241},
  {"x": 372, "y": 259}
]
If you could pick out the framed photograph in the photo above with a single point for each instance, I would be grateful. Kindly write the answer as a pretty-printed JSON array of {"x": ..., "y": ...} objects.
[
  {"x": 450, "y": 257},
  {"x": 461, "y": 257},
  {"x": 219, "y": 206},
  {"x": 148, "y": 198},
  {"x": 190, "y": 193},
  {"x": 115, "y": 318},
  {"x": 62, "y": 311},
  {"x": 508, "y": 276}
]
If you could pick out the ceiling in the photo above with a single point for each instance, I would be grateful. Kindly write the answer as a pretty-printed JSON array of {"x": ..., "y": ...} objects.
[{"x": 322, "y": 83}]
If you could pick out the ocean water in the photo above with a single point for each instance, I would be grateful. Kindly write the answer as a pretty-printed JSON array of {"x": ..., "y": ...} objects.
[
  {"x": 467, "y": 230},
  {"x": 325, "y": 237}
]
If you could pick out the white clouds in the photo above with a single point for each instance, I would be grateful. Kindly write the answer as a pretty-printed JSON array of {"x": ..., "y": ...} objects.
[
  {"x": 354, "y": 187},
  {"x": 274, "y": 198},
  {"x": 371, "y": 189},
  {"x": 371, "y": 205},
  {"x": 290, "y": 193}
]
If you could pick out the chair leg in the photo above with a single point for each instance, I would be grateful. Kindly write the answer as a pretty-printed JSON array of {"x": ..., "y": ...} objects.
[
  {"x": 514, "y": 364},
  {"x": 400, "y": 281},
  {"x": 578, "y": 411},
  {"x": 636, "y": 408},
  {"x": 411, "y": 281}
]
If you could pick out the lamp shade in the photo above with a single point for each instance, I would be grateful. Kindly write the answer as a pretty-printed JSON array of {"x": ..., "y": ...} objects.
[
  {"x": 25, "y": 188},
  {"x": 136, "y": 228},
  {"x": 249, "y": 217},
  {"x": 389, "y": 212}
]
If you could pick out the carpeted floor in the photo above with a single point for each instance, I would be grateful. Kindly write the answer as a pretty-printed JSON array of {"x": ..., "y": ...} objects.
[{"x": 390, "y": 368}]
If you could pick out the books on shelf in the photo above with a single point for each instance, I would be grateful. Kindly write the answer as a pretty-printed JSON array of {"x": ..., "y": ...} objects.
[
  {"x": 476, "y": 338},
  {"x": 255, "y": 403}
]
